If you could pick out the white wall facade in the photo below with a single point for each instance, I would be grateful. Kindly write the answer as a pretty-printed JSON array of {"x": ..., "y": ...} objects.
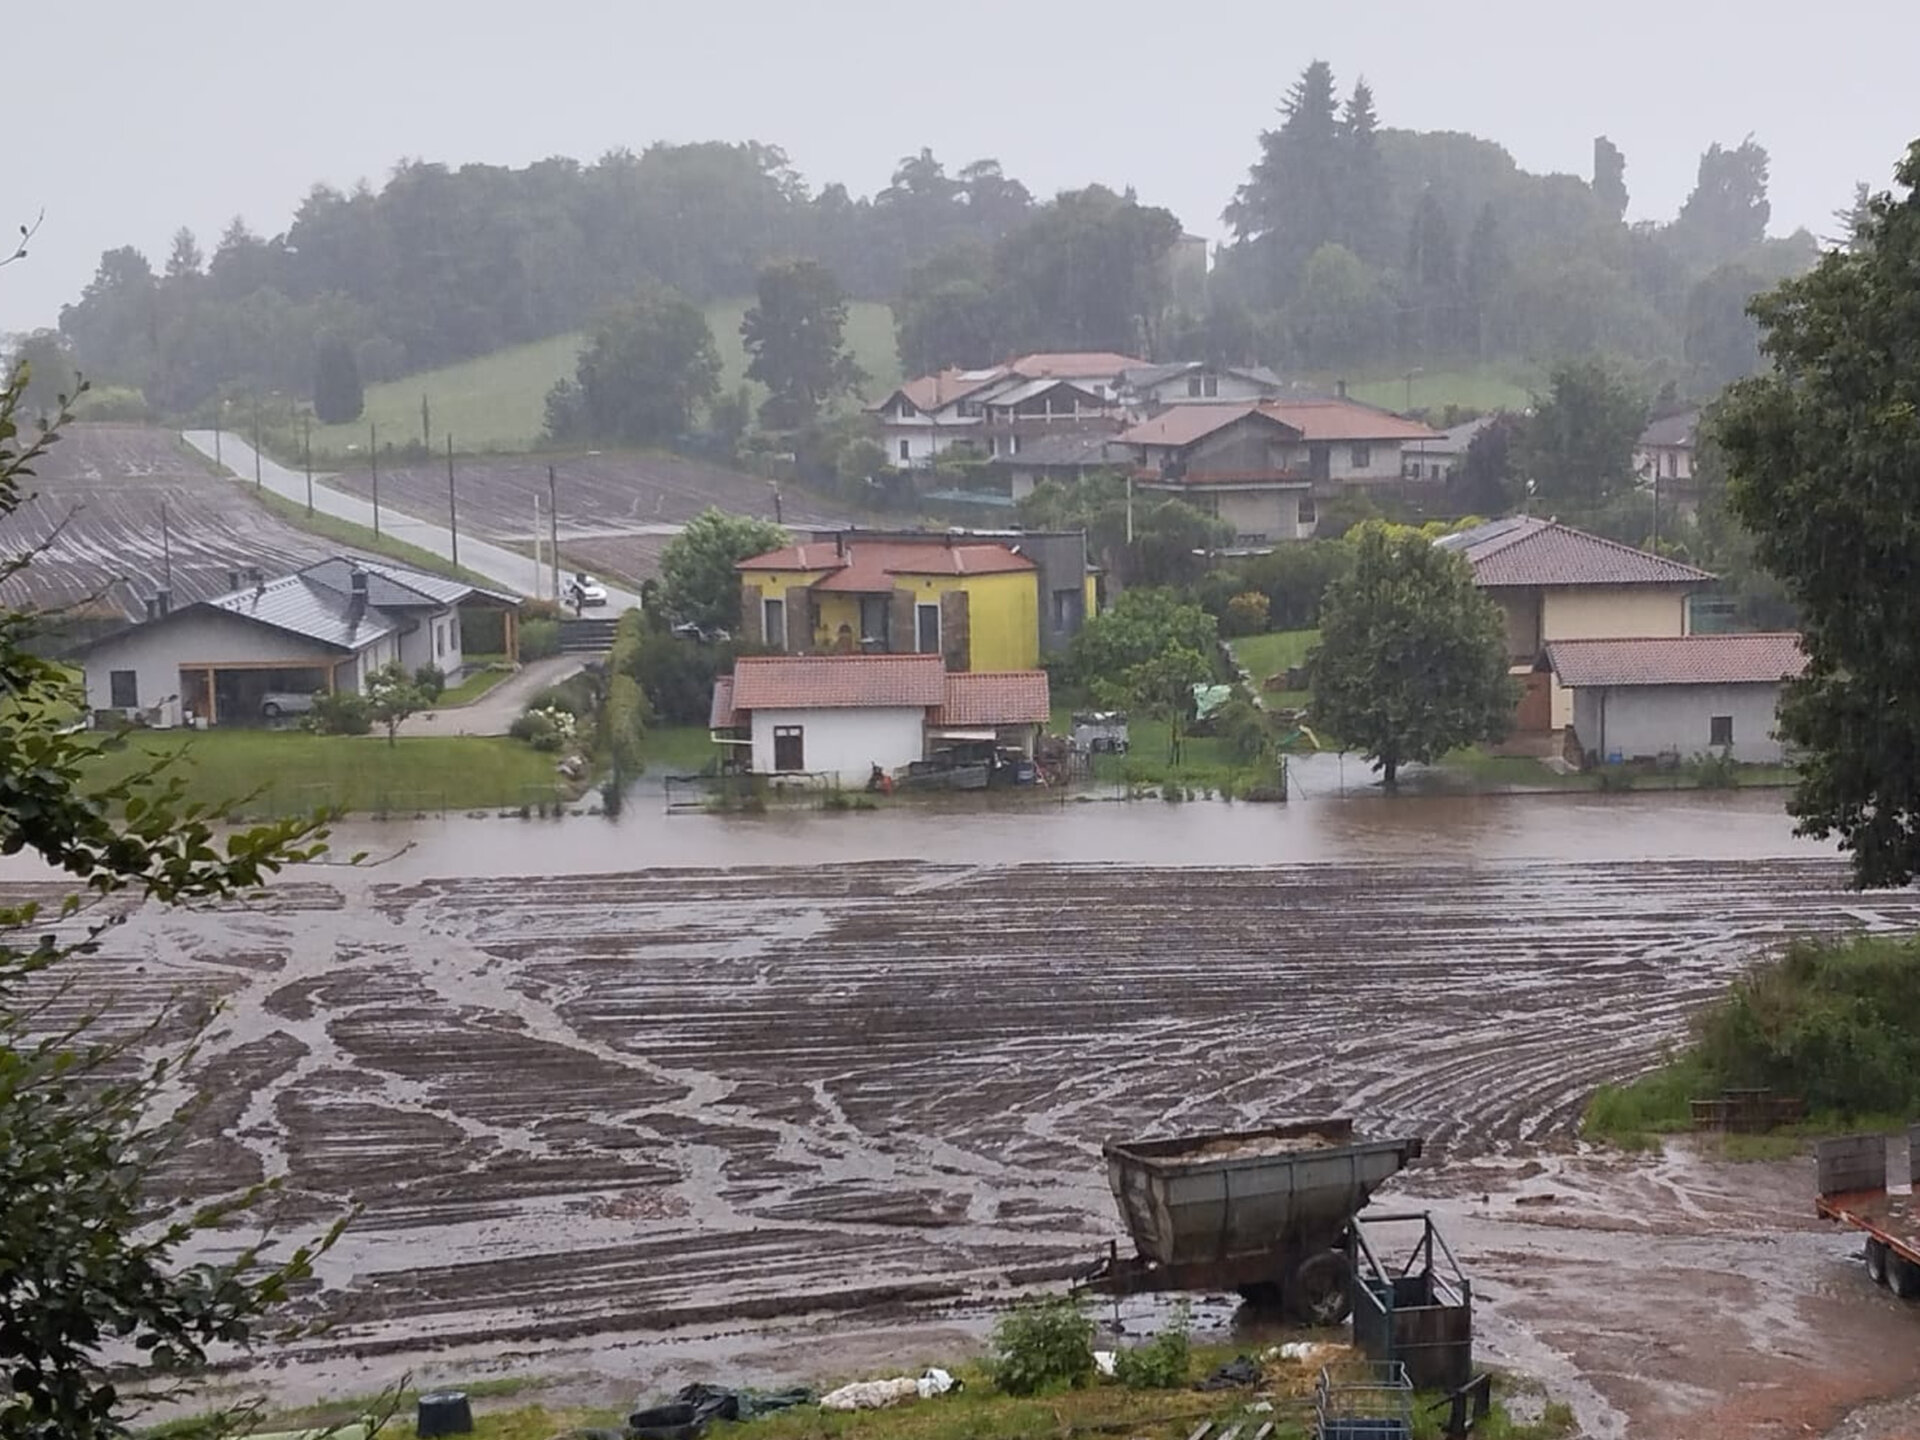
[
  {"x": 433, "y": 640},
  {"x": 157, "y": 653},
  {"x": 1646, "y": 721},
  {"x": 845, "y": 743},
  {"x": 1177, "y": 390},
  {"x": 910, "y": 444}
]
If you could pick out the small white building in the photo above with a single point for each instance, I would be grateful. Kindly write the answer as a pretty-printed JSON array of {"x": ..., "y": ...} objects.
[
  {"x": 1147, "y": 389},
  {"x": 1665, "y": 449},
  {"x": 1678, "y": 697},
  {"x": 984, "y": 411},
  {"x": 836, "y": 717},
  {"x": 324, "y": 628}
]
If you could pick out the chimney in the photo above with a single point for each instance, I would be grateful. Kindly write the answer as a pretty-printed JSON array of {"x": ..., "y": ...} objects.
[
  {"x": 357, "y": 601},
  {"x": 163, "y": 600},
  {"x": 233, "y": 579},
  {"x": 259, "y": 582},
  {"x": 840, "y": 544},
  {"x": 1340, "y": 388}
]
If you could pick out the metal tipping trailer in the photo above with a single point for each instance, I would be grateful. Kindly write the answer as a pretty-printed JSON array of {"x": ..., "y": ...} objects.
[
  {"x": 1264, "y": 1212},
  {"x": 1852, "y": 1179}
]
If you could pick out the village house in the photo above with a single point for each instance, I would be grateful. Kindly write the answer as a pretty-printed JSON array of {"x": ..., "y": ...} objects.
[
  {"x": 836, "y": 718},
  {"x": 994, "y": 411},
  {"x": 265, "y": 644},
  {"x": 1147, "y": 389},
  {"x": 1676, "y": 698},
  {"x": 976, "y": 603},
  {"x": 1441, "y": 457},
  {"x": 1067, "y": 457},
  {"x": 1665, "y": 448},
  {"x": 1266, "y": 467},
  {"x": 1553, "y": 583}
]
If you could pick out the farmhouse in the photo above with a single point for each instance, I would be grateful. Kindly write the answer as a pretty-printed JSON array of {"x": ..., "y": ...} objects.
[
  {"x": 1553, "y": 582},
  {"x": 973, "y": 601},
  {"x": 996, "y": 410},
  {"x": 1146, "y": 389},
  {"x": 235, "y": 657},
  {"x": 837, "y": 717},
  {"x": 1677, "y": 698}
]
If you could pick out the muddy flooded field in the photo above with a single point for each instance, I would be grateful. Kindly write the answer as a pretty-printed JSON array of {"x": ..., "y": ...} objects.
[{"x": 680, "y": 1101}]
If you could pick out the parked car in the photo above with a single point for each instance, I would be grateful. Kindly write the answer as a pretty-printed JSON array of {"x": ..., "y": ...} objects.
[
  {"x": 585, "y": 593},
  {"x": 276, "y": 703},
  {"x": 704, "y": 634}
]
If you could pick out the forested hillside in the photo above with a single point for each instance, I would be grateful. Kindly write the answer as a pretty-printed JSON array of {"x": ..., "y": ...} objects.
[{"x": 1351, "y": 246}]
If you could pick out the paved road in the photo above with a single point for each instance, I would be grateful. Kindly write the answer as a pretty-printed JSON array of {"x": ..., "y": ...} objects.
[
  {"x": 494, "y": 711},
  {"x": 506, "y": 568}
]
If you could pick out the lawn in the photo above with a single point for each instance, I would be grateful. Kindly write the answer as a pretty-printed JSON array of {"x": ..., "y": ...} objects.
[
  {"x": 1267, "y": 655},
  {"x": 497, "y": 402},
  {"x": 291, "y": 772},
  {"x": 481, "y": 677},
  {"x": 678, "y": 749}
]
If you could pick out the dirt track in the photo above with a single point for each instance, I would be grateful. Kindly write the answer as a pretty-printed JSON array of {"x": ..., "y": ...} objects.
[{"x": 616, "y": 1103}]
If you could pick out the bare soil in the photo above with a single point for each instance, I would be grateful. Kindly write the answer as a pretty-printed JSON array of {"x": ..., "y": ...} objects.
[{"x": 755, "y": 1123}]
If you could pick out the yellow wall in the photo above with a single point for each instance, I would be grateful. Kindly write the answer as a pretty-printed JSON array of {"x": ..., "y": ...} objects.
[
  {"x": 1614, "y": 612},
  {"x": 1003, "y": 615}
]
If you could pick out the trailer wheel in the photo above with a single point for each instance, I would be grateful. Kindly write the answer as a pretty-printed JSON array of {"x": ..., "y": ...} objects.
[
  {"x": 1264, "y": 1295},
  {"x": 1903, "y": 1277},
  {"x": 1877, "y": 1261},
  {"x": 1320, "y": 1293}
]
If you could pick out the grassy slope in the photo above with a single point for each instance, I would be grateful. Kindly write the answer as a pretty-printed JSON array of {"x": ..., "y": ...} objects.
[
  {"x": 292, "y": 772},
  {"x": 1492, "y": 386},
  {"x": 498, "y": 401},
  {"x": 361, "y": 537},
  {"x": 1267, "y": 655}
]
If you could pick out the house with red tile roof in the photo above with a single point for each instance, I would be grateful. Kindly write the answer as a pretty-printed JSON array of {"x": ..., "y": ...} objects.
[
  {"x": 971, "y": 601},
  {"x": 992, "y": 411},
  {"x": 1265, "y": 466},
  {"x": 1678, "y": 697},
  {"x": 837, "y": 717},
  {"x": 1553, "y": 582}
]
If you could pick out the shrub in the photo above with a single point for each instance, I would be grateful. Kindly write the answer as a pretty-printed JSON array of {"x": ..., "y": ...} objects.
[
  {"x": 1163, "y": 1362},
  {"x": 341, "y": 713},
  {"x": 432, "y": 682},
  {"x": 625, "y": 729},
  {"x": 546, "y": 729},
  {"x": 539, "y": 639},
  {"x": 577, "y": 695},
  {"x": 1716, "y": 772},
  {"x": 1042, "y": 1345},
  {"x": 1246, "y": 614}
]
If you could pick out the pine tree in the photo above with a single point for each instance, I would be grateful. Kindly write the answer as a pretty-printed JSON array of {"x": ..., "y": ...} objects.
[
  {"x": 1433, "y": 276},
  {"x": 1364, "y": 185},
  {"x": 1486, "y": 267},
  {"x": 337, "y": 395},
  {"x": 1610, "y": 177},
  {"x": 185, "y": 258}
]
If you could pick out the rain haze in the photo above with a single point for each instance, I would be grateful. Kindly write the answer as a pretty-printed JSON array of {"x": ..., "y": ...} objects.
[{"x": 151, "y": 117}]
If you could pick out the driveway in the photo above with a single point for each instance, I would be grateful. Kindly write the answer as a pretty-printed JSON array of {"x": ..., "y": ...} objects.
[{"x": 494, "y": 711}]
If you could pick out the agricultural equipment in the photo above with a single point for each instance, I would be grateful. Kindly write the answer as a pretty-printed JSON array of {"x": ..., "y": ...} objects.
[
  {"x": 1418, "y": 1313},
  {"x": 1851, "y": 1172},
  {"x": 1095, "y": 731},
  {"x": 1264, "y": 1212},
  {"x": 1363, "y": 1401}
]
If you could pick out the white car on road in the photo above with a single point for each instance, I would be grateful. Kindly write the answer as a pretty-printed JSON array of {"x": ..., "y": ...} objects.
[{"x": 585, "y": 593}]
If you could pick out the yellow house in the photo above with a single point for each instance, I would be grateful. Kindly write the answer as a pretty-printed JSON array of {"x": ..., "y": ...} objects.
[
  {"x": 1553, "y": 582},
  {"x": 974, "y": 603}
]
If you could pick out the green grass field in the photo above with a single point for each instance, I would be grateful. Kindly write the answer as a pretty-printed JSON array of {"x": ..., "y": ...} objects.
[
  {"x": 290, "y": 772},
  {"x": 498, "y": 402},
  {"x": 1492, "y": 386},
  {"x": 1267, "y": 655},
  {"x": 678, "y": 749}
]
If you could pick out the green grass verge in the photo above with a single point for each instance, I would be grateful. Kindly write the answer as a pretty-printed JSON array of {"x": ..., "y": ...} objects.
[
  {"x": 361, "y": 537},
  {"x": 498, "y": 402},
  {"x": 291, "y": 772},
  {"x": 478, "y": 682},
  {"x": 677, "y": 749},
  {"x": 1493, "y": 386}
]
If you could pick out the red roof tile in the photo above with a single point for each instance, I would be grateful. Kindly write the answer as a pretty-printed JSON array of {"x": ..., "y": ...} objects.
[
  {"x": 866, "y": 566},
  {"x": 1073, "y": 364},
  {"x": 1525, "y": 550},
  {"x": 723, "y": 716},
  {"x": 996, "y": 697},
  {"x": 1184, "y": 424},
  {"x": 833, "y": 682},
  {"x": 932, "y": 392},
  {"x": 1687, "y": 660},
  {"x": 1335, "y": 420}
]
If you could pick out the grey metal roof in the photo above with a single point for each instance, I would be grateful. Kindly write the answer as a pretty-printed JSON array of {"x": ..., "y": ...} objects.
[
  {"x": 307, "y": 608},
  {"x": 1063, "y": 450},
  {"x": 395, "y": 587},
  {"x": 1454, "y": 440},
  {"x": 1672, "y": 430}
]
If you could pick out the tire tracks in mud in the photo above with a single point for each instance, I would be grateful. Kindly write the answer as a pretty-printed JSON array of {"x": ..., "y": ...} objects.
[{"x": 594, "y": 1102}]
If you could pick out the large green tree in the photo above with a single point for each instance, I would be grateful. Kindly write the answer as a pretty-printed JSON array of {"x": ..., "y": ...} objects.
[
  {"x": 647, "y": 366},
  {"x": 1823, "y": 455},
  {"x": 1578, "y": 443},
  {"x": 1141, "y": 624},
  {"x": 1412, "y": 657},
  {"x": 795, "y": 331},
  {"x": 698, "y": 584},
  {"x": 337, "y": 393},
  {"x": 97, "y": 1297}
]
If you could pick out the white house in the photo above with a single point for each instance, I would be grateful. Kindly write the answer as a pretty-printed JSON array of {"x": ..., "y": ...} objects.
[
  {"x": 1147, "y": 389},
  {"x": 326, "y": 627},
  {"x": 987, "y": 410},
  {"x": 1440, "y": 457},
  {"x": 835, "y": 717},
  {"x": 1678, "y": 697},
  {"x": 1665, "y": 448}
]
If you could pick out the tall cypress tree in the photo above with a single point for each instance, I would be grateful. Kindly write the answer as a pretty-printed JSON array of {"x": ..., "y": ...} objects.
[
  {"x": 1363, "y": 187},
  {"x": 337, "y": 395},
  {"x": 1292, "y": 199}
]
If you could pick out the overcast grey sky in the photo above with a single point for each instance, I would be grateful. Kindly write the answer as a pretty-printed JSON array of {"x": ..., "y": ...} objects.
[{"x": 130, "y": 118}]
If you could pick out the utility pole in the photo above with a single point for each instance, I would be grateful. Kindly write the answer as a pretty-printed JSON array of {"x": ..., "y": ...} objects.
[
  {"x": 426, "y": 423},
  {"x": 306, "y": 449},
  {"x": 553, "y": 521},
  {"x": 218, "y": 462},
  {"x": 453, "y": 510},
  {"x": 1129, "y": 507},
  {"x": 373, "y": 459},
  {"x": 256, "y": 440},
  {"x": 536, "y": 545},
  {"x": 166, "y": 546}
]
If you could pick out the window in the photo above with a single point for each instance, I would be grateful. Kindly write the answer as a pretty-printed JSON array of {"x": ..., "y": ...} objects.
[
  {"x": 906, "y": 410},
  {"x": 773, "y": 623},
  {"x": 1720, "y": 730},
  {"x": 926, "y": 629},
  {"x": 1361, "y": 458},
  {"x": 1210, "y": 385},
  {"x": 906, "y": 452},
  {"x": 453, "y": 633},
  {"x": 789, "y": 747},
  {"x": 125, "y": 685},
  {"x": 1308, "y": 514},
  {"x": 1673, "y": 464},
  {"x": 1068, "y": 607},
  {"x": 1193, "y": 386},
  {"x": 1013, "y": 444},
  {"x": 439, "y": 639}
]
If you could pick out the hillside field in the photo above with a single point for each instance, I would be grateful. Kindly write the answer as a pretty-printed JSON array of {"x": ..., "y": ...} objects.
[{"x": 498, "y": 402}]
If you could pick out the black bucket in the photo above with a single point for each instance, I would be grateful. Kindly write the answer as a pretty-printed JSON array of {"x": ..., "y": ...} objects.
[{"x": 445, "y": 1412}]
